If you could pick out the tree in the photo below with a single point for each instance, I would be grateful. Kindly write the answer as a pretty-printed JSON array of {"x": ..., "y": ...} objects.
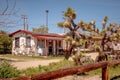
[
  {"x": 5, "y": 43},
  {"x": 110, "y": 36},
  {"x": 3, "y": 32},
  {"x": 76, "y": 38},
  {"x": 109, "y": 33},
  {"x": 104, "y": 22},
  {"x": 41, "y": 29}
]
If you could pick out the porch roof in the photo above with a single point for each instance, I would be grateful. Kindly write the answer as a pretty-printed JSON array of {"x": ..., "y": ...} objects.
[{"x": 49, "y": 38}]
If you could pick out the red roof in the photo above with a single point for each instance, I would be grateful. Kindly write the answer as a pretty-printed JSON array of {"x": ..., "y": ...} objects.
[
  {"x": 1, "y": 34},
  {"x": 40, "y": 35},
  {"x": 27, "y": 32}
]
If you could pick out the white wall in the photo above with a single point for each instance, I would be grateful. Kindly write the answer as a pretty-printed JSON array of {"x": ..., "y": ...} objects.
[{"x": 22, "y": 49}]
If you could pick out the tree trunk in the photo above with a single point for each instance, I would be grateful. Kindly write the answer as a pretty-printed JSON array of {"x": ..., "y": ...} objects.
[{"x": 67, "y": 55}]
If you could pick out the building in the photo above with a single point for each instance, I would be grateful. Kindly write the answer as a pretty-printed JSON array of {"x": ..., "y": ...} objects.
[
  {"x": 1, "y": 35},
  {"x": 29, "y": 43}
]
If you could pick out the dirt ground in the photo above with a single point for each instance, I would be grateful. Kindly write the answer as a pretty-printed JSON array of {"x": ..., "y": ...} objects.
[
  {"x": 75, "y": 77},
  {"x": 33, "y": 63},
  {"x": 93, "y": 55},
  {"x": 23, "y": 64}
]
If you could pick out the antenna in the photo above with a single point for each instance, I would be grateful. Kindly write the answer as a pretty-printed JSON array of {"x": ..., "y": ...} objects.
[
  {"x": 47, "y": 18},
  {"x": 25, "y": 22}
]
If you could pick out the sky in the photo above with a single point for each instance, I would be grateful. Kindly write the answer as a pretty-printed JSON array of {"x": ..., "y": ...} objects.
[{"x": 34, "y": 10}]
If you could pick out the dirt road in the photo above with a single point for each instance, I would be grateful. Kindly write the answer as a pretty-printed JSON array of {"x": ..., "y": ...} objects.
[
  {"x": 75, "y": 77},
  {"x": 33, "y": 63},
  {"x": 23, "y": 64},
  {"x": 26, "y": 63}
]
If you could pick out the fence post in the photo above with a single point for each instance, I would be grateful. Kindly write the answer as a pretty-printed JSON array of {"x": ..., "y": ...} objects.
[{"x": 105, "y": 73}]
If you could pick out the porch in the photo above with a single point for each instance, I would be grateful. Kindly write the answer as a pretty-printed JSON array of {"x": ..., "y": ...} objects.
[{"x": 46, "y": 47}]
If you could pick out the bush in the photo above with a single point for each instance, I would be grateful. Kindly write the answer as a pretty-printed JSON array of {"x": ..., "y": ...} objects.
[
  {"x": 5, "y": 44},
  {"x": 7, "y": 70},
  {"x": 50, "y": 67},
  {"x": 30, "y": 71},
  {"x": 60, "y": 65}
]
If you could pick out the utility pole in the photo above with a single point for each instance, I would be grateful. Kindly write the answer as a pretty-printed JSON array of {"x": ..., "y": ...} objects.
[
  {"x": 46, "y": 18},
  {"x": 25, "y": 22}
]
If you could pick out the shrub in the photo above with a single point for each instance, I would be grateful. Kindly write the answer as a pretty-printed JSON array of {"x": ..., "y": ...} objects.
[
  {"x": 5, "y": 44},
  {"x": 7, "y": 70},
  {"x": 50, "y": 67},
  {"x": 30, "y": 71},
  {"x": 60, "y": 65}
]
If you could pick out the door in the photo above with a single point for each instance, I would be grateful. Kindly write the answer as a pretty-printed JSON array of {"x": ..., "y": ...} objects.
[{"x": 50, "y": 47}]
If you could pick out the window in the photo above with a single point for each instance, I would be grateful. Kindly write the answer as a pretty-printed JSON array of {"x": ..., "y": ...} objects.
[
  {"x": 28, "y": 41},
  {"x": 17, "y": 42},
  {"x": 41, "y": 43}
]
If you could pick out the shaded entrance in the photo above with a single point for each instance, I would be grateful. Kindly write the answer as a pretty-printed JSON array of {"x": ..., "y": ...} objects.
[{"x": 50, "y": 47}]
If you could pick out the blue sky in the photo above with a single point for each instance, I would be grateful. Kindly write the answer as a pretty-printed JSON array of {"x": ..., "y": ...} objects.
[{"x": 86, "y": 10}]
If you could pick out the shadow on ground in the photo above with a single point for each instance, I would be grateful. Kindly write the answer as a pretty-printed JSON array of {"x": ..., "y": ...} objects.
[
  {"x": 116, "y": 78},
  {"x": 9, "y": 60}
]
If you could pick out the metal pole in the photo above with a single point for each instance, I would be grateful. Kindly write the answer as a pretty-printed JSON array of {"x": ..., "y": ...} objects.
[
  {"x": 25, "y": 22},
  {"x": 47, "y": 18}
]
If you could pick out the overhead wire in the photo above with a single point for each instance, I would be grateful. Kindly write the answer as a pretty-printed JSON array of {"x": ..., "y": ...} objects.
[{"x": 5, "y": 8}]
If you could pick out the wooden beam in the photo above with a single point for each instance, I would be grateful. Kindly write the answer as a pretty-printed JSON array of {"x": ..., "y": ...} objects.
[
  {"x": 79, "y": 69},
  {"x": 69, "y": 71},
  {"x": 105, "y": 73}
]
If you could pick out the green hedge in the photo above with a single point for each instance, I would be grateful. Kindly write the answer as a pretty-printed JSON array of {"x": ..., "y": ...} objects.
[{"x": 7, "y": 70}]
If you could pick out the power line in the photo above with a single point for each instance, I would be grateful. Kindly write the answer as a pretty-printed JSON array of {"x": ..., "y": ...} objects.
[{"x": 5, "y": 8}]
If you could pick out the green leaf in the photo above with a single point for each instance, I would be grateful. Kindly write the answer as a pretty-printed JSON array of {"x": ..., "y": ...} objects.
[{"x": 60, "y": 24}]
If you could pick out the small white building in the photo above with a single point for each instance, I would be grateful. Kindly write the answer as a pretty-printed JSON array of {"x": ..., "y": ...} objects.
[{"x": 29, "y": 43}]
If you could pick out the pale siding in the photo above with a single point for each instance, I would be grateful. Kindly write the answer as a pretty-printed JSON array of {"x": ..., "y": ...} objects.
[
  {"x": 36, "y": 45},
  {"x": 22, "y": 49}
]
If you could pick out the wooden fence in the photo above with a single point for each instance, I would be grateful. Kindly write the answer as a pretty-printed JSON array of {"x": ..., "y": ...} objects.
[{"x": 70, "y": 71}]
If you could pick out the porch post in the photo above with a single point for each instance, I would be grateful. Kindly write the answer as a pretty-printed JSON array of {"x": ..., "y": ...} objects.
[
  {"x": 57, "y": 47},
  {"x": 46, "y": 47},
  {"x": 54, "y": 47},
  {"x": 64, "y": 44}
]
